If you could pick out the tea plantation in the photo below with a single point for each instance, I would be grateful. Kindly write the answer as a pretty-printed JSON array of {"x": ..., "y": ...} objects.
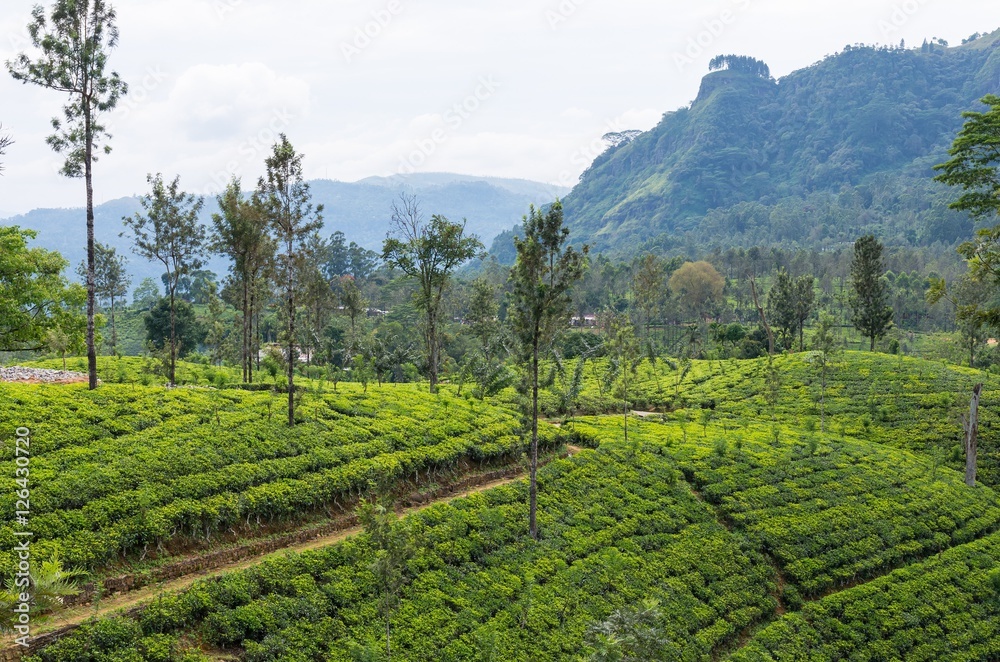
[
  {"x": 121, "y": 473},
  {"x": 744, "y": 530}
]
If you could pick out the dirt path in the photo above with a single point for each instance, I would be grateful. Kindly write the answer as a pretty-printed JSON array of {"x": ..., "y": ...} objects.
[{"x": 74, "y": 616}]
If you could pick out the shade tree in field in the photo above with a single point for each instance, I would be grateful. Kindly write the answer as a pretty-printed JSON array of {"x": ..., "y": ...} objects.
[
  {"x": 791, "y": 301},
  {"x": 869, "y": 298},
  {"x": 352, "y": 304},
  {"x": 428, "y": 252},
  {"x": 648, "y": 287},
  {"x": 35, "y": 299},
  {"x": 241, "y": 233},
  {"x": 624, "y": 356},
  {"x": 487, "y": 363},
  {"x": 73, "y": 42},
  {"x": 293, "y": 219},
  {"x": 394, "y": 545},
  {"x": 542, "y": 279},
  {"x": 167, "y": 231},
  {"x": 172, "y": 327},
  {"x": 111, "y": 282},
  {"x": 825, "y": 346},
  {"x": 699, "y": 287}
]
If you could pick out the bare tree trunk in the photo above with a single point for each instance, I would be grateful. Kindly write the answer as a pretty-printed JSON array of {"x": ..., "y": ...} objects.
[
  {"x": 432, "y": 349},
  {"x": 971, "y": 425},
  {"x": 763, "y": 318},
  {"x": 291, "y": 342},
  {"x": 533, "y": 486},
  {"x": 245, "y": 350},
  {"x": 114, "y": 329},
  {"x": 173, "y": 337},
  {"x": 89, "y": 176}
]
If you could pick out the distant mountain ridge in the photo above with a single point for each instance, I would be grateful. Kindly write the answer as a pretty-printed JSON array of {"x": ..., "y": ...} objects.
[
  {"x": 814, "y": 159},
  {"x": 361, "y": 210}
]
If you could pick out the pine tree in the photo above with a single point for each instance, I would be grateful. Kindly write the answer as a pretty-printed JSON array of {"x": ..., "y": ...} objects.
[
  {"x": 871, "y": 313},
  {"x": 75, "y": 41}
]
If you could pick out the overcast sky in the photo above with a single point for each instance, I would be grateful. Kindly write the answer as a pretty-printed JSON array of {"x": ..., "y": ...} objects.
[{"x": 513, "y": 88}]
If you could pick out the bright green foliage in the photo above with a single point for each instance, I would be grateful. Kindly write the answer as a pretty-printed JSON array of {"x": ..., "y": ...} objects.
[
  {"x": 869, "y": 299},
  {"x": 34, "y": 297},
  {"x": 620, "y": 528},
  {"x": 847, "y": 511},
  {"x": 943, "y": 610},
  {"x": 129, "y": 468}
]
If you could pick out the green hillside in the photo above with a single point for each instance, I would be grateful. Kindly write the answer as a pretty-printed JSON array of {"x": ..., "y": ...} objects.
[
  {"x": 902, "y": 402},
  {"x": 814, "y": 159},
  {"x": 130, "y": 472},
  {"x": 752, "y": 546}
]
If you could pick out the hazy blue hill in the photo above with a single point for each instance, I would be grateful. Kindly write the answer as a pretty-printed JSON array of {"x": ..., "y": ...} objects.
[
  {"x": 361, "y": 210},
  {"x": 843, "y": 146}
]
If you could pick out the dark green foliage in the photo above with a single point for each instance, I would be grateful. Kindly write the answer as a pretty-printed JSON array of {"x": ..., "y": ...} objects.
[
  {"x": 293, "y": 219},
  {"x": 870, "y": 310},
  {"x": 832, "y": 151},
  {"x": 187, "y": 331},
  {"x": 741, "y": 63},
  {"x": 791, "y": 302}
]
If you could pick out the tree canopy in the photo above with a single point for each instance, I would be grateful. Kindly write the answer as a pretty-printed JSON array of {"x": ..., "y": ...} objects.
[{"x": 34, "y": 296}]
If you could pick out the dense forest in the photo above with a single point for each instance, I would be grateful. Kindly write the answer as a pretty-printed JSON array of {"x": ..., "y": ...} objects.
[{"x": 838, "y": 149}]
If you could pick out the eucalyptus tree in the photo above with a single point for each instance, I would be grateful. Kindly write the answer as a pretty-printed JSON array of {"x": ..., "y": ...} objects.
[
  {"x": 428, "y": 252},
  {"x": 540, "y": 306},
  {"x": 241, "y": 233},
  {"x": 293, "y": 219},
  {"x": 74, "y": 41},
  {"x": 111, "y": 281},
  {"x": 167, "y": 230}
]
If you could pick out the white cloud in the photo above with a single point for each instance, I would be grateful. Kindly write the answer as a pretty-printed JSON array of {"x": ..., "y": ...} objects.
[{"x": 234, "y": 72}]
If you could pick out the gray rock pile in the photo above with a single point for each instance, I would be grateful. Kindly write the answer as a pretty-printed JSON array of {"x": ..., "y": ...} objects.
[{"x": 39, "y": 375}]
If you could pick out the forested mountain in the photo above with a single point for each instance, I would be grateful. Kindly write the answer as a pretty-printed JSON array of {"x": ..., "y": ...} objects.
[
  {"x": 361, "y": 210},
  {"x": 814, "y": 159}
]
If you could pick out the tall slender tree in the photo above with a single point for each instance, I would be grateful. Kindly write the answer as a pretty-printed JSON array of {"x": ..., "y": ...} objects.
[
  {"x": 168, "y": 231},
  {"x": 869, "y": 300},
  {"x": 74, "y": 41},
  {"x": 241, "y": 232},
  {"x": 648, "y": 285},
  {"x": 285, "y": 195},
  {"x": 540, "y": 306},
  {"x": 428, "y": 253},
  {"x": 111, "y": 281}
]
